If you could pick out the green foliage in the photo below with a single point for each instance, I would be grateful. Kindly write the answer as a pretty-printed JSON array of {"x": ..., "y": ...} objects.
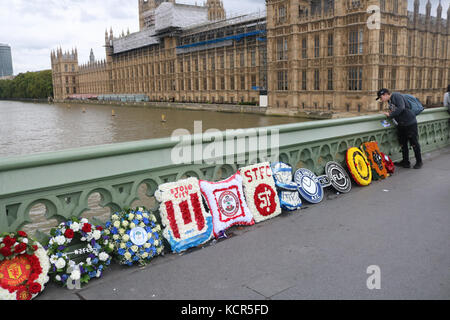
[{"x": 30, "y": 85}]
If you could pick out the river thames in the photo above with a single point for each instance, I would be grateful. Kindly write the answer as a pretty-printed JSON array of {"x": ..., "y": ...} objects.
[{"x": 27, "y": 128}]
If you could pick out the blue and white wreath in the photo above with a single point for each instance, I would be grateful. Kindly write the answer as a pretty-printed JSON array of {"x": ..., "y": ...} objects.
[
  {"x": 136, "y": 236},
  {"x": 92, "y": 245}
]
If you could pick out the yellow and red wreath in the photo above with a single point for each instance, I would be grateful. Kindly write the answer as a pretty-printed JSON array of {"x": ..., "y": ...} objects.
[{"x": 359, "y": 166}]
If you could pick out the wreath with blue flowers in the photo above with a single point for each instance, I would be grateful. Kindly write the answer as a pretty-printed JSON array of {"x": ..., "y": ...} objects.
[
  {"x": 136, "y": 235},
  {"x": 78, "y": 252}
]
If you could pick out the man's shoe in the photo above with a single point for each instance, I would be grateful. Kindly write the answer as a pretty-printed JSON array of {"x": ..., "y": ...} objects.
[
  {"x": 403, "y": 164},
  {"x": 418, "y": 165}
]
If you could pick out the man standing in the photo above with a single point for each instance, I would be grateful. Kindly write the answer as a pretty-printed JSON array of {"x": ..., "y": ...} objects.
[
  {"x": 447, "y": 99},
  {"x": 407, "y": 126}
]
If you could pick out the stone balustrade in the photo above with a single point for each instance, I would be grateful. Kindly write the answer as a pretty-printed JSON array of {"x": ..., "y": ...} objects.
[{"x": 63, "y": 181}]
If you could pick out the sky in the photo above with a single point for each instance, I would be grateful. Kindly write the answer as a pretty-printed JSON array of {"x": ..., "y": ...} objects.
[{"x": 35, "y": 27}]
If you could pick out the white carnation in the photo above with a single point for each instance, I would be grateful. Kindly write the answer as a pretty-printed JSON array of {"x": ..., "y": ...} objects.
[
  {"x": 60, "y": 263},
  {"x": 103, "y": 256},
  {"x": 75, "y": 227},
  {"x": 97, "y": 234},
  {"x": 60, "y": 240},
  {"x": 75, "y": 275}
]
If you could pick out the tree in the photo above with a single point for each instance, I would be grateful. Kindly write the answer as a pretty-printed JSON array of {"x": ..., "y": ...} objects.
[{"x": 30, "y": 85}]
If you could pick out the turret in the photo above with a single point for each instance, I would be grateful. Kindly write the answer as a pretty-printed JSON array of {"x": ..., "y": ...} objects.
[
  {"x": 416, "y": 12},
  {"x": 439, "y": 17},
  {"x": 428, "y": 14},
  {"x": 91, "y": 56},
  {"x": 439, "y": 10},
  {"x": 215, "y": 10},
  {"x": 448, "y": 20}
]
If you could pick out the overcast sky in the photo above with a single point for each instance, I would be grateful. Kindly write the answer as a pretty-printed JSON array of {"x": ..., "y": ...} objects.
[{"x": 34, "y": 27}]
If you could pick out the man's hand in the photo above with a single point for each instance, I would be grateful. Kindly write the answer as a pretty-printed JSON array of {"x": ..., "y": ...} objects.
[{"x": 386, "y": 114}]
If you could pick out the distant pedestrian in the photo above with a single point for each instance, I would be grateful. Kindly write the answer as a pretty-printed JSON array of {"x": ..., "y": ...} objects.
[
  {"x": 406, "y": 126},
  {"x": 447, "y": 99}
]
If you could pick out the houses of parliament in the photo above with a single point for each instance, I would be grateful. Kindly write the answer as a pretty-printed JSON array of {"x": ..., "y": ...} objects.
[{"x": 306, "y": 56}]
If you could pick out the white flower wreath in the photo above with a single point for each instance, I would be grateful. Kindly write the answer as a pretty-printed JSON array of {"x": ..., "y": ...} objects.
[
  {"x": 136, "y": 236},
  {"x": 98, "y": 251}
]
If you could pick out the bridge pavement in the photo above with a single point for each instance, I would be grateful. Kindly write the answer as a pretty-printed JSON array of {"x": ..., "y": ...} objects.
[{"x": 401, "y": 225}]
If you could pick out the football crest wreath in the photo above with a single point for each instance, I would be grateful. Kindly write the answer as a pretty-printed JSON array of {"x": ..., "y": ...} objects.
[
  {"x": 24, "y": 267},
  {"x": 185, "y": 220},
  {"x": 309, "y": 185},
  {"x": 260, "y": 191},
  {"x": 227, "y": 203},
  {"x": 136, "y": 236},
  {"x": 339, "y": 178},
  {"x": 359, "y": 166}
]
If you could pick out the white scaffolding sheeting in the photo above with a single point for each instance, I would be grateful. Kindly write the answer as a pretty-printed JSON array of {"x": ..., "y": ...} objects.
[
  {"x": 135, "y": 40},
  {"x": 170, "y": 15}
]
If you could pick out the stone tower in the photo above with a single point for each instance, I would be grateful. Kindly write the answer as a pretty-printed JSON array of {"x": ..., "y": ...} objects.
[
  {"x": 64, "y": 73},
  {"x": 147, "y": 12},
  {"x": 215, "y": 10},
  {"x": 92, "y": 57}
]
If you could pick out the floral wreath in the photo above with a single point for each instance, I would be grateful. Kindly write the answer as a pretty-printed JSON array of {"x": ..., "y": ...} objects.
[
  {"x": 24, "y": 267},
  {"x": 373, "y": 154},
  {"x": 260, "y": 191},
  {"x": 99, "y": 249},
  {"x": 185, "y": 221},
  {"x": 359, "y": 166},
  {"x": 136, "y": 236}
]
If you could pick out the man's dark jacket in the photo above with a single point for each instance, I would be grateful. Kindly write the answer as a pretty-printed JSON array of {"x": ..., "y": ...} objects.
[{"x": 400, "y": 111}]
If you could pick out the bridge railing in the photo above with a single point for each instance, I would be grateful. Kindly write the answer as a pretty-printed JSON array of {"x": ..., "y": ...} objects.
[{"x": 63, "y": 182}]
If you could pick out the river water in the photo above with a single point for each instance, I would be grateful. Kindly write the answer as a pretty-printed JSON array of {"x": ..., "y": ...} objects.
[{"x": 27, "y": 128}]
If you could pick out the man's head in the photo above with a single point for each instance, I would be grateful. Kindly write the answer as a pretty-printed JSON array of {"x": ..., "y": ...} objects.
[{"x": 383, "y": 94}]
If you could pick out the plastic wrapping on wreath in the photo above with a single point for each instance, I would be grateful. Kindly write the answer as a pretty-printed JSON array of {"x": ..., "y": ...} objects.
[
  {"x": 287, "y": 189},
  {"x": 282, "y": 174},
  {"x": 388, "y": 163},
  {"x": 290, "y": 200}
]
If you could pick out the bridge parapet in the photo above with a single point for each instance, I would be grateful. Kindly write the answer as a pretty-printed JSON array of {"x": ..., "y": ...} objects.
[{"x": 63, "y": 181}]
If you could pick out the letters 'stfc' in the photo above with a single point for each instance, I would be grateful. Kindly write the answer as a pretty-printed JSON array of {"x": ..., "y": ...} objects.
[
  {"x": 183, "y": 215},
  {"x": 260, "y": 191},
  {"x": 227, "y": 203}
]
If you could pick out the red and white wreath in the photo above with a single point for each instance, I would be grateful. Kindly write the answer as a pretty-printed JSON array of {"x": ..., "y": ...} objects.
[
  {"x": 24, "y": 267},
  {"x": 260, "y": 191},
  {"x": 227, "y": 203},
  {"x": 186, "y": 222}
]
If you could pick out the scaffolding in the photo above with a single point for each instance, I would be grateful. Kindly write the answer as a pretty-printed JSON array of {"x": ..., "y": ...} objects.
[{"x": 178, "y": 16}]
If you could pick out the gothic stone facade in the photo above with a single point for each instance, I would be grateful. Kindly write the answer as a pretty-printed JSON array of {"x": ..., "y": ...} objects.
[
  {"x": 311, "y": 56},
  {"x": 328, "y": 55}
]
